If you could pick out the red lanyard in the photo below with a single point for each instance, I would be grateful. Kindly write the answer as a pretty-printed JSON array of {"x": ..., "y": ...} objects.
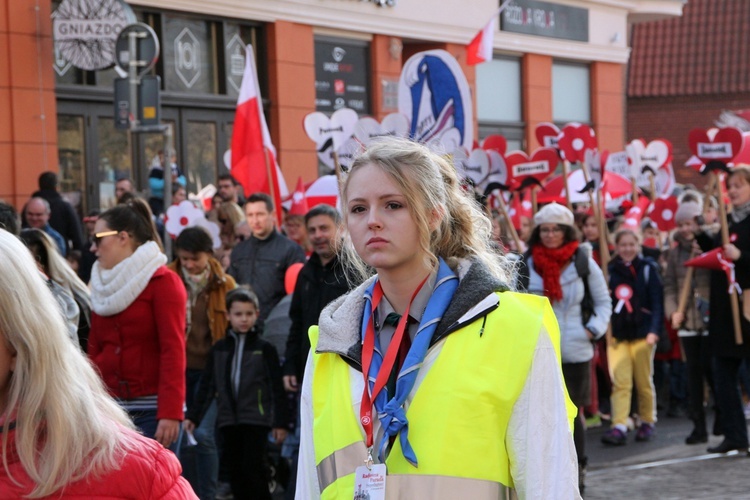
[{"x": 365, "y": 409}]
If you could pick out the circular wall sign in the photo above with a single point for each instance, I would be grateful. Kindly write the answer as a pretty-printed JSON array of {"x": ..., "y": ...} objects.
[{"x": 85, "y": 31}]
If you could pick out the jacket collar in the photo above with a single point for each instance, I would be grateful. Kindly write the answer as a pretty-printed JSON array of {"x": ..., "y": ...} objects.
[
  {"x": 216, "y": 278},
  {"x": 341, "y": 321}
]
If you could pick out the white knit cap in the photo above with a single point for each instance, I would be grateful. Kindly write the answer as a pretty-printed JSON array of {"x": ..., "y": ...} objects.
[
  {"x": 688, "y": 210},
  {"x": 554, "y": 213}
]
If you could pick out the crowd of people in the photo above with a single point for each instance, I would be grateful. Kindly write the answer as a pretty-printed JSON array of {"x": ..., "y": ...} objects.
[{"x": 410, "y": 305}]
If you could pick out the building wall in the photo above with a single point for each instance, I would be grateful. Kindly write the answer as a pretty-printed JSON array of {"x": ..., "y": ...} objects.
[
  {"x": 28, "y": 131},
  {"x": 673, "y": 118},
  {"x": 28, "y": 122}
]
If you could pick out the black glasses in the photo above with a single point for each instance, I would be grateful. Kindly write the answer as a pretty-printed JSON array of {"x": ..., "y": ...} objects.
[{"x": 98, "y": 236}]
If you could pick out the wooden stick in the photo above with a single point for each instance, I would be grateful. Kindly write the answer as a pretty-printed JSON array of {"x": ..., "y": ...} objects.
[
  {"x": 566, "y": 171},
  {"x": 687, "y": 287},
  {"x": 597, "y": 216},
  {"x": 604, "y": 255},
  {"x": 272, "y": 187},
  {"x": 733, "y": 299},
  {"x": 511, "y": 229},
  {"x": 534, "y": 204}
]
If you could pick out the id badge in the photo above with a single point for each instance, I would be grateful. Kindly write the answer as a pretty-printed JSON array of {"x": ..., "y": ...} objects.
[{"x": 369, "y": 483}]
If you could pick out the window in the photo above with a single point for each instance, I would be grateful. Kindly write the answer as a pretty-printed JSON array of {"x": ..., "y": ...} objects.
[
  {"x": 571, "y": 95},
  {"x": 499, "y": 108}
]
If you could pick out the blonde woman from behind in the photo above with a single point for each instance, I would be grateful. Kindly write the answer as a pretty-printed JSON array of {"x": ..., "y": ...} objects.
[{"x": 60, "y": 433}]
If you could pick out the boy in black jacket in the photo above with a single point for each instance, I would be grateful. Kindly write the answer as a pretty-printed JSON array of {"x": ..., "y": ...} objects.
[{"x": 244, "y": 373}]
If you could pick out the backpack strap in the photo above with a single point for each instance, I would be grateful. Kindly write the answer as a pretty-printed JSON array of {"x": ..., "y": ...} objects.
[{"x": 582, "y": 268}]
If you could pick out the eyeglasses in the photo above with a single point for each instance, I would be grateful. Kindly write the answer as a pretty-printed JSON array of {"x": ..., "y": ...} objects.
[
  {"x": 550, "y": 230},
  {"x": 98, "y": 236}
]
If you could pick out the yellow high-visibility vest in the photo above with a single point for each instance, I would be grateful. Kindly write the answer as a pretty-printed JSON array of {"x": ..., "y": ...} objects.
[{"x": 458, "y": 417}]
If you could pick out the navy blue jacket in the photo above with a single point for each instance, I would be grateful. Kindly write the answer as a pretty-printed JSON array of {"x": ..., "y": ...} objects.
[{"x": 647, "y": 302}]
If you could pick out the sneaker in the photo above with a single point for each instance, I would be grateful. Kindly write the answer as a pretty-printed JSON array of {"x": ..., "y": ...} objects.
[
  {"x": 697, "y": 437},
  {"x": 593, "y": 422},
  {"x": 615, "y": 437},
  {"x": 645, "y": 432}
]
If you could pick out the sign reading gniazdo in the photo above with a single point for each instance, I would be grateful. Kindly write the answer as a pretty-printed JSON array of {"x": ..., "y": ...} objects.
[
  {"x": 531, "y": 17},
  {"x": 85, "y": 31}
]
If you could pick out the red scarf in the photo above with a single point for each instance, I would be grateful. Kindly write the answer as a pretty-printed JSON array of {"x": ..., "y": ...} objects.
[{"x": 548, "y": 263}]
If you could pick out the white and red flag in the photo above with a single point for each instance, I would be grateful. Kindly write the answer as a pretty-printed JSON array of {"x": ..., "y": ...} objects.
[
  {"x": 251, "y": 166},
  {"x": 479, "y": 49}
]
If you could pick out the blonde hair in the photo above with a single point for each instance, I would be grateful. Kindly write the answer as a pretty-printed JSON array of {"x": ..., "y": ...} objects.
[
  {"x": 58, "y": 269},
  {"x": 430, "y": 185},
  {"x": 232, "y": 212},
  {"x": 66, "y": 426}
]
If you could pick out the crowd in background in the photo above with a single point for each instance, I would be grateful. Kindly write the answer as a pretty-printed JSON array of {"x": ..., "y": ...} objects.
[{"x": 190, "y": 337}]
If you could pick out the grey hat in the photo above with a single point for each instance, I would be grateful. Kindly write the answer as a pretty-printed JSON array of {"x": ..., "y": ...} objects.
[
  {"x": 688, "y": 210},
  {"x": 554, "y": 213}
]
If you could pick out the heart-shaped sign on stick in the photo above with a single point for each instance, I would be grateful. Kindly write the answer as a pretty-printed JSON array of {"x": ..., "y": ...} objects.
[
  {"x": 715, "y": 152},
  {"x": 495, "y": 142},
  {"x": 348, "y": 152},
  {"x": 329, "y": 134},
  {"x": 656, "y": 154},
  {"x": 499, "y": 176},
  {"x": 527, "y": 170},
  {"x": 574, "y": 140},
  {"x": 635, "y": 150},
  {"x": 476, "y": 168},
  {"x": 547, "y": 134},
  {"x": 368, "y": 128}
]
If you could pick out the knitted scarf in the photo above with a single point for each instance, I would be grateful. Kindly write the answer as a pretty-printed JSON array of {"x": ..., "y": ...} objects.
[
  {"x": 113, "y": 290},
  {"x": 548, "y": 263}
]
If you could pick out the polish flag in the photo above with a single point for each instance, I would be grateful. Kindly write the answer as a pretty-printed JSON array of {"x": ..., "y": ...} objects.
[
  {"x": 299, "y": 200},
  {"x": 479, "y": 49},
  {"x": 253, "y": 154}
]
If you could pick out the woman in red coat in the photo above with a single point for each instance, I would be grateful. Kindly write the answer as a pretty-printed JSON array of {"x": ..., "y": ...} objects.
[
  {"x": 137, "y": 337},
  {"x": 61, "y": 435}
]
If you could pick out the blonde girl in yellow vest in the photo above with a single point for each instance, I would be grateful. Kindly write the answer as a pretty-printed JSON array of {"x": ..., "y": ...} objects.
[{"x": 464, "y": 397}]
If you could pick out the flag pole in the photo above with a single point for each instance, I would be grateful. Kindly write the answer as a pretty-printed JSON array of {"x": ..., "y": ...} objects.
[
  {"x": 272, "y": 186},
  {"x": 566, "y": 171}
]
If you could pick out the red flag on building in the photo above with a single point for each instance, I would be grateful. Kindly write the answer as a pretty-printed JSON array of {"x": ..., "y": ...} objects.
[
  {"x": 479, "y": 49},
  {"x": 251, "y": 166}
]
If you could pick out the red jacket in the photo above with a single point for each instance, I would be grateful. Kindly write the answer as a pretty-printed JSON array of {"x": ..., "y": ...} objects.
[
  {"x": 148, "y": 472},
  {"x": 141, "y": 351}
]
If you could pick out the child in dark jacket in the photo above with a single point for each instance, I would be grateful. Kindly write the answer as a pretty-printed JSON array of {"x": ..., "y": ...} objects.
[
  {"x": 637, "y": 321},
  {"x": 244, "y": 373}
]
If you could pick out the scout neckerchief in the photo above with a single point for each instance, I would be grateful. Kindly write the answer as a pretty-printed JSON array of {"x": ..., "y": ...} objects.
[{"x": 376, "y": 368}]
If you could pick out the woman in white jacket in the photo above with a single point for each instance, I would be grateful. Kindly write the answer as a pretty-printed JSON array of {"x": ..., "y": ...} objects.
[{"x": 558, "y": 268}]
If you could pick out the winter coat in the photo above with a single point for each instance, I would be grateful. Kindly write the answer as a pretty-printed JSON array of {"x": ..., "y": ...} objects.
[
  {"x": 721, "y": 327},
  {"x": 212, "y": 299},
  {"x": 261, "y": 400},
  {"x": 147, "y": 472},
  {"x": 317, "y": 285},
  {"x": 575, "y": 345},
  {"x": 262, "y": 264},
  {"x": 141, "y": 350},
  {"x": 646, "y": 312},
  {"x": 674, "y": 277}
]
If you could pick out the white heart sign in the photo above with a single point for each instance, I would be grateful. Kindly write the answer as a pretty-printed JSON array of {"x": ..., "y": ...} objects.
[
  {"x": 655, "y": 155},
  {"x": 476, "y": 168},
  {"x": 330, "y": 134},
  {"x": 368, "y": 128}
]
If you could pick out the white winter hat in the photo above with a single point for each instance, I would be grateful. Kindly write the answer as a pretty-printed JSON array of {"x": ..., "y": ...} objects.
[
  {"x": 688, "y": 210},
  {"x": 554, "y": 213}
]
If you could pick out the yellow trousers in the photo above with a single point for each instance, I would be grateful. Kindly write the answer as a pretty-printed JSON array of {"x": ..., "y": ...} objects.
[{"x": 631, "y": 360}]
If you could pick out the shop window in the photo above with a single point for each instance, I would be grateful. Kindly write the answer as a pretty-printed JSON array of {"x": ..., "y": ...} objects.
[
  {"x": 72, "y": 160},
  {"x": 499, "y": 108},
  {"x": 499, "y": 91},
  {"x": 189, "y": 55},
  {"x": 342, "y": 75},
  {"x": 571, "y": 95}
]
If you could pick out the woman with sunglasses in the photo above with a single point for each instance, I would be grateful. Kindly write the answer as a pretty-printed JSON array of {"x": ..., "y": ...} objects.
[
  {"x": 137, "y": 337},
  {"x": 431, "y": 379}
]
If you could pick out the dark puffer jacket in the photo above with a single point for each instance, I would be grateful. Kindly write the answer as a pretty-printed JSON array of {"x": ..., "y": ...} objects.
[
  {"x": 646, "y": 314},
  {"x": 261, "y": 399}
]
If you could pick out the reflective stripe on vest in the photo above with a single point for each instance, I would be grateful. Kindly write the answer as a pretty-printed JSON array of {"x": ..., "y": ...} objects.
[{"x": 468, "y": 394}]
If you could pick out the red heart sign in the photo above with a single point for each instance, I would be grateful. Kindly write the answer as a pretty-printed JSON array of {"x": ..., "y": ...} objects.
[
  {"x": 724, "y": 146},
  {"x": 547, "y": 135},
  {"x": 541, "y": 165},
  {"x": 574, "y": 140},
  {"x": 663, "y": 211},
  {"x": 495, "y": 143}
]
